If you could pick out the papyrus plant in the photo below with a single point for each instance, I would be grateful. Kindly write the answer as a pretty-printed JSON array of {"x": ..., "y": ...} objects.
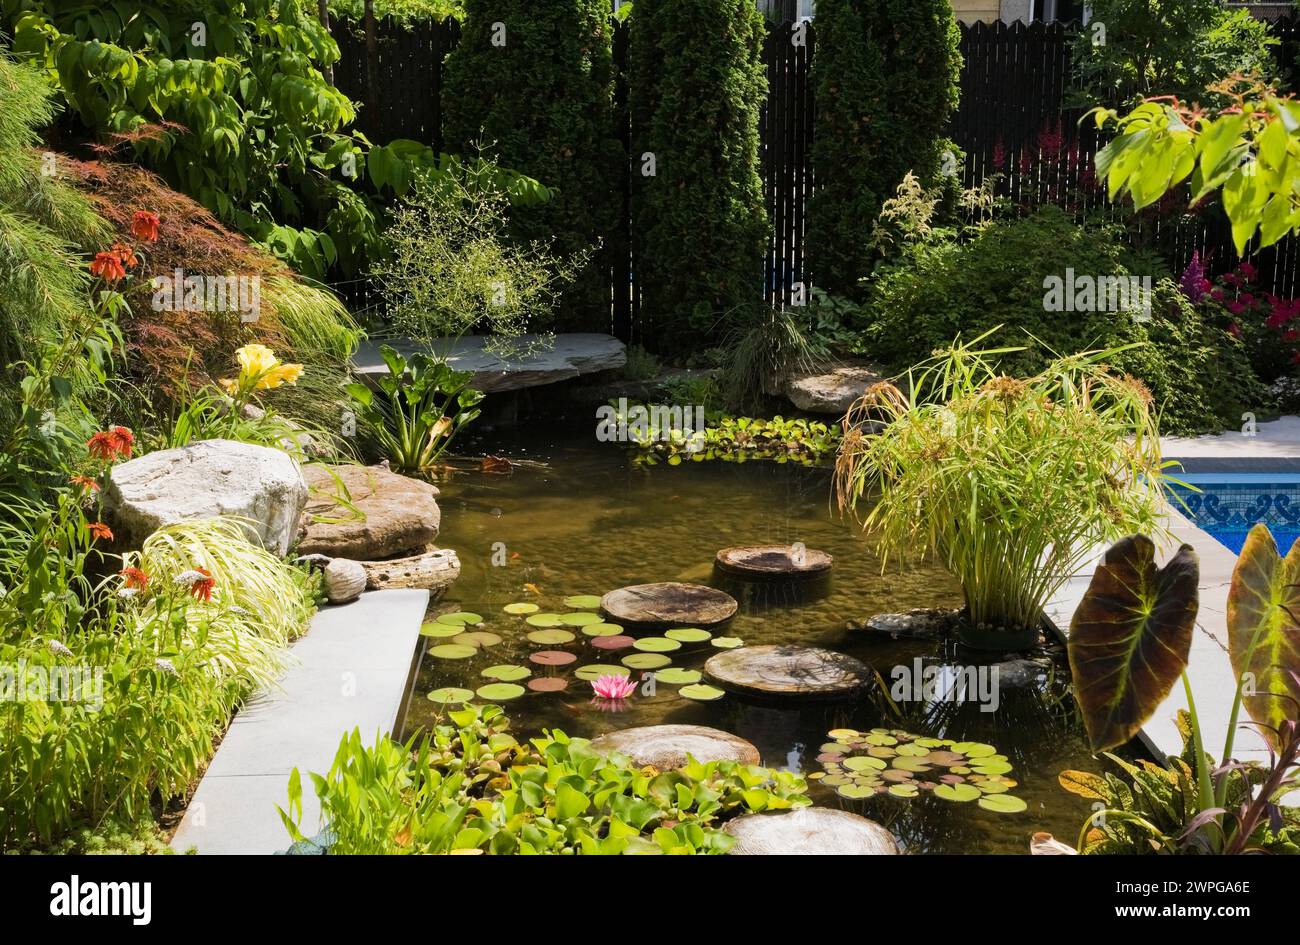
[{"x": 1007, "y": 482}]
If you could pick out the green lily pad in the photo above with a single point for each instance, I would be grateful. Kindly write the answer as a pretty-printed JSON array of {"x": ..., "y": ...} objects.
[
  {"x": 500, "y": 692},
  {"x": 701, "y": 693},
  {"x": 675, "y": 676},
  {"x": 463, "y": 617},
  {"x": 996, "y": 767},
  {"x": 477, "y": 638},
  {"x": 957, "y": 792},
  {"x": 507, "y": 672},
  {"x": 543, "y": 620},
  {"x": 864, "y": 763},
  {"x": 453, "y": 651},
  {"x": 553, "y": 637},
  {"x": 689, "y": 635},
  {"x": 602, "y": 630},
  {"x": 596, "y": 670},
  {"x": 436, "y": 629},
  {"x": 855, "y": 791},
  {"x": 580, "y": 619},
  {"x": 1003, "y": 804},
  {"x": 582, "y": 602},
  {"x": 974, "y": 750},
  {"x": 521, "y": 608},
  {"x": 646, "y": 661},
  {"x": 904, "y": 790},
  {"x": 656, "y": 645},
  {"x": 450, "y": 695},
  {"x": 727, "y": 643}
]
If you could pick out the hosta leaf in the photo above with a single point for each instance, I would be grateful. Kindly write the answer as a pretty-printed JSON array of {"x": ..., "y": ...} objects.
[
  {"x": 1264, "y": 629},
  {"x": 1131, "y": 636}
]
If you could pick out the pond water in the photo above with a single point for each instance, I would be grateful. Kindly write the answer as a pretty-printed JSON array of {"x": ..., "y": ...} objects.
[{"x": 586, "y": 520}]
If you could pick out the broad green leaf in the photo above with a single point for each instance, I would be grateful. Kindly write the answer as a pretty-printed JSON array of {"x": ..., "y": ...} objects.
[
  {"x": 1130, "y": 637},
  {"x": 1264, "y": 629}
]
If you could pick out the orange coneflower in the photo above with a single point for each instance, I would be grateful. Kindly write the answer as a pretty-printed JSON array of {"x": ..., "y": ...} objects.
[
  {"x": 100, "y": 530},
  {"x": 135, "y": 578},
  {"x": 124, "y": 253},
  {"x": 123, "y": 440},
  {"x": 85, "y": 482},
  {"x": 144, "y": 226},
  {"x": 108, "y": 266},
  {"x": 112, "y": 443}
]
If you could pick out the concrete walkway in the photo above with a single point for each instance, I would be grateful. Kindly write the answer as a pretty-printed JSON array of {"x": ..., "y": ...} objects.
[{"x": 352, "y": 669}]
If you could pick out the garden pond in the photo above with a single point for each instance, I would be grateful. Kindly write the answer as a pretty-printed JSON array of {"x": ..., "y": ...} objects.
[{"x": 577, "y": 517}]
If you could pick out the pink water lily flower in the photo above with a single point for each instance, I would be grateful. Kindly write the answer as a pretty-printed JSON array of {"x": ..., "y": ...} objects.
[{"x": 613, "y": 687}]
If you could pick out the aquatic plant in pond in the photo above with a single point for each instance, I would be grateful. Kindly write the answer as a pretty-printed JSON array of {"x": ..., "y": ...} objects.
[
  {"x": 730, "y": 439},
  {"x": 1007, "y": 482}
]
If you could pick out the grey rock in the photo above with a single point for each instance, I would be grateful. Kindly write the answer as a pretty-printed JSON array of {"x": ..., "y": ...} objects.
[
  {"x": 262, "y": 487},
  {"x": 810, "y": 831},
  {"x": 918, "y": 624},
  {"x": 385, "y": 515},
  {"x": 832, "y": 390}
]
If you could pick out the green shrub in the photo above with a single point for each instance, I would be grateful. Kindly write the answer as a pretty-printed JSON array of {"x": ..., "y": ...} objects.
[
  {"x": 886, "y": 78},
  {"x": 942, "y": 290},
  {"x": 540, "y": 99},
  {"x": 699, "y": 224}
]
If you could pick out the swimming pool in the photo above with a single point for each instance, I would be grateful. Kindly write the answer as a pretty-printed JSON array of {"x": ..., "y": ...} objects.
[{"x": 1228, "y": 505}]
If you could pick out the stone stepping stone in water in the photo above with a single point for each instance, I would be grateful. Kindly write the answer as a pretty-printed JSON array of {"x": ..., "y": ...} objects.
[
  {"x": 919, "y": 624},
  {"x": 667, "y": 605},
  {"x": 666, "y": 746},
  {"x": 810, "y": 831},
  {"x": 773, "y": 562},
  {"x": 786, "y": 671}
]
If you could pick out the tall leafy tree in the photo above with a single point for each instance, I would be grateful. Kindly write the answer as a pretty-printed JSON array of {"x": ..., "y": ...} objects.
[
  {"x": 886, "y": 76},
  {"x": 532, "y": 85},
  {"x": 699, "y": 225}
]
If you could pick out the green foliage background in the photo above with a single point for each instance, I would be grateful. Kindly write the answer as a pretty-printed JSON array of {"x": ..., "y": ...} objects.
[
  {"x": 886, "y": 77},
  {"x": 699, "y": 224}
]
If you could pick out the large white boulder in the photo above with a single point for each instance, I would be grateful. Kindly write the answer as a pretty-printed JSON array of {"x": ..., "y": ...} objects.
[{"x": 262, "y": 486}]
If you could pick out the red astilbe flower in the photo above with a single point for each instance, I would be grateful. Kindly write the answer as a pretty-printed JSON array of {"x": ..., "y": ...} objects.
[
  {"x": 108, "y": 266},
  {"x": 144, "y": 226},
  {"x": 135, "y": 578},
  {"x": 100, "y": 530}
]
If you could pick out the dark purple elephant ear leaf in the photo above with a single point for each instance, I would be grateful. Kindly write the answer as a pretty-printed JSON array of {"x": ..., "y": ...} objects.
[
  {"x": 1131, "y": 636},
  {"x": 1264, "y": 631}
]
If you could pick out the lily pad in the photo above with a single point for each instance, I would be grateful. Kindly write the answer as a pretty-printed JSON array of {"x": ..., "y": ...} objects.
[
  {"x": 646, "y": 661},
  {"x": 548, "y": 684},
  {"x": 453, "y": 651},
  {"x": 1003, "y": 804},
  {"x": 450, "y": 695},
  {"x": 864, "y": 763},
  {"x": 463, "y": 617},
  {"x": 552, "y": 658},
  {"x": 553, "y": 637},
  {"x": 543, "y": 620},
  {"x": 996, "y": 767},
  {"x": 656, "y": 645},
  {"x": 957, "y": 792},
  {"x": 521, "y": 608},
  {"x": 507, "y": 672},
  {"x": 701, "y": 693},
  {"x": 602, "y": 630},
  {"x": 727, "y": 643},
  {"x": 675, "y": 676},
  {"x": 904, "y": 790},
  {"x": 500, "y": 692},
  {"x": 596, "y": 670},
  {"x": 855, "y": 791},
  {"x": 616, "y": 642},
  {"x": 582, "y": 601},
  {"x": 689, "y": 635},
  {"x": 477, "y": 638},
  {"x": 436, "y": 629},
  {"x": 580, "y": 619}
]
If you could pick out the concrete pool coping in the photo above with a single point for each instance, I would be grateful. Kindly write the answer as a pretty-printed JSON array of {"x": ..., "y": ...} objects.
[{"x": 353, "y": 668}]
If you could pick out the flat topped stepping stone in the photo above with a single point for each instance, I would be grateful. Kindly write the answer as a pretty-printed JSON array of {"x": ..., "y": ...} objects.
[
  {"x": 810, "y": 831},
  {"x": 667, "y": 605},
  {"x": 666, "y": 746},
  {"x": 774, "y": 562},
  {"x": 788, "y": 671}
]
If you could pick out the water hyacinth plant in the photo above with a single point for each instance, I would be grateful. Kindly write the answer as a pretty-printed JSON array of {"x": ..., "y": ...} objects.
[{"x": 1007, "y": 482}]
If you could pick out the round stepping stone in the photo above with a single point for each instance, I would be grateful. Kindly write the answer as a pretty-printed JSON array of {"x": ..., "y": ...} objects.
[
  {"x": 662, "y": 606},
  {"x": 810, "y": 831},
  {"x": 773, "y": 562},
  {"x": 666, "y": 746},
  {"x": 787, "y": 671}
]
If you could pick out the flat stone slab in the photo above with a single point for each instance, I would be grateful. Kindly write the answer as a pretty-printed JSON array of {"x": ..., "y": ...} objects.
[
  {"x": 666, "y": 746},
  {"x": 774, "y": 562},
  {"x": 832, "y": 391},
  {"x": 350, "y": 670},
  {"x": 668, "y": 605},
  {"x": 390, "y": 514},
  {"x": 570, "y": 356},
  {"x": 788, "y": 671},
  {"x": 919, "y": 624},
  {"x": 810, "y": 831}
]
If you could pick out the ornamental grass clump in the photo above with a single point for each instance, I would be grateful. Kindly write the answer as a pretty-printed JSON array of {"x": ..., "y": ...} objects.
[{"x": 1009, "y": 482}]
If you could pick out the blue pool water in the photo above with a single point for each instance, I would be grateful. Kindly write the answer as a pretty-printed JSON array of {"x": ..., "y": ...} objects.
[{"x": 1228, "y": 505}]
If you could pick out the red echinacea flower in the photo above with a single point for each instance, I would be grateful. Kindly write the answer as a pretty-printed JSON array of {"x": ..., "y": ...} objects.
[
  {"x": 85, "y": 482},
  {"x": 144, "y": 226},
  {"x": 108, "y": 266},
  {"x": 135, "y": 578},
  {"x": 100, "y": 530},
  {"x": 124, "y": 253}
]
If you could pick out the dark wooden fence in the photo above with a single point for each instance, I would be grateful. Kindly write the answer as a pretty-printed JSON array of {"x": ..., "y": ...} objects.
[{"x": 1016, "y": 124}]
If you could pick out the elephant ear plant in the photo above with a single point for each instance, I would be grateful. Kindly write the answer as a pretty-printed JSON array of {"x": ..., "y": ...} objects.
[
  {"x": 419, "y": 407},
  {"x": 1007, "y": 482},
  {"x": 1130, "y": 641}
]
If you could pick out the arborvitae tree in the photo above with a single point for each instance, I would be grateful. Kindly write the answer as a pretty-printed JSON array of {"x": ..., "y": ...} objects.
[
  {"x": 886, "y": 76},
  {"x": 532, "y": 84},
  {"x": 699, "y": 225}
]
